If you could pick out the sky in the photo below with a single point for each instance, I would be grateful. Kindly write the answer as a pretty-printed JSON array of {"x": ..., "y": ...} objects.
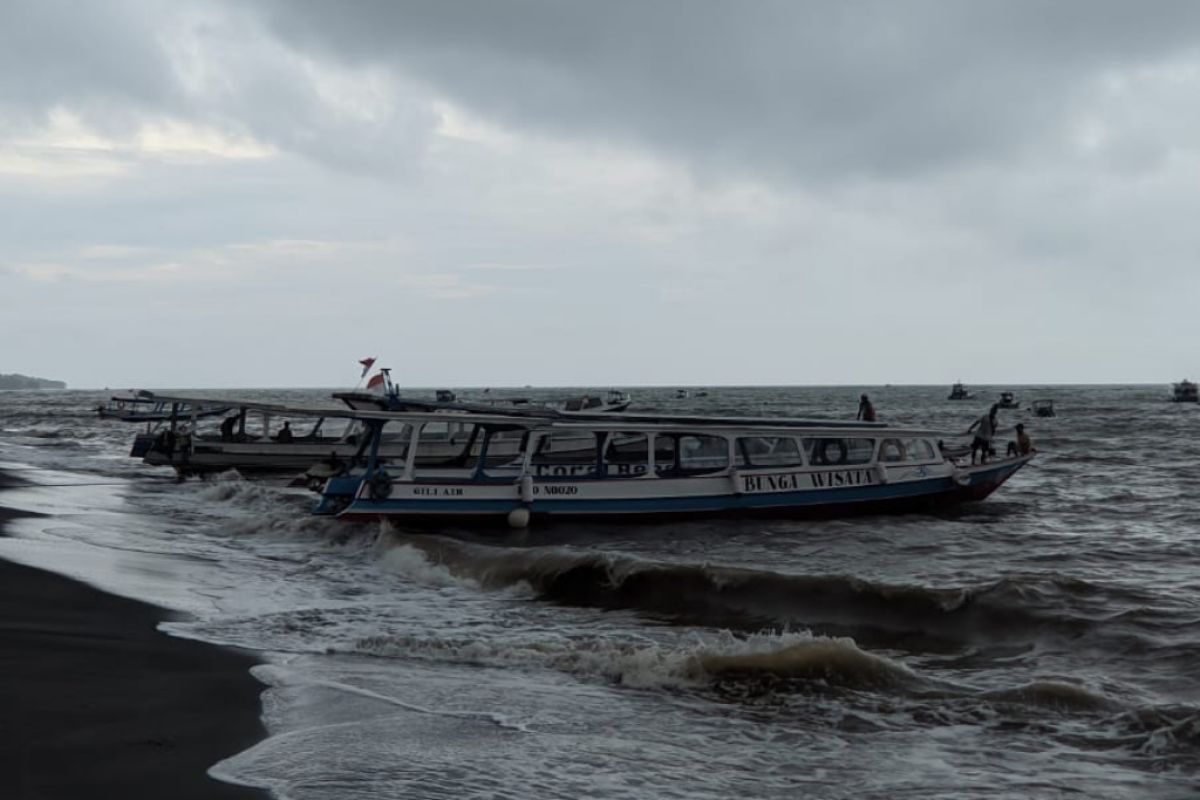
[{"x": 618, "y": 193}]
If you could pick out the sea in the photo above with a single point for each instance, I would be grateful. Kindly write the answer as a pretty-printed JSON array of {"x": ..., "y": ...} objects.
[{"x": 1044, "y": 643}]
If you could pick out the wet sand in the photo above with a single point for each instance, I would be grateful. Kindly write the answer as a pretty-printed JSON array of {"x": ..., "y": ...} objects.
[{"x": 94, "y": 701}]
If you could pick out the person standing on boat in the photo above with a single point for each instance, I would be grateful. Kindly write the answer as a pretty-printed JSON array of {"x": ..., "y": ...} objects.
[
  {"x": 866, "y": 411},
  {"x": 983, "y": 437},
  {"x": 185, "y": 445},
  {"x": 227, "y": 425},
  {"x": 285, "y": 433}
]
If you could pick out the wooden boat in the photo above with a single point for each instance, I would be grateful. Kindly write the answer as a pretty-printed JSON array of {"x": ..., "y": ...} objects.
[
  {"x": 644, "y": 466},
  {"x": 139, "y": 408},
  {"x": 250, "y": 439},
  {"x": 1043, "y": 408},
  {"x": 612, "y": 400},
  {"x": 1185, "y": 392},
  {"x": 959, "y": 392}
]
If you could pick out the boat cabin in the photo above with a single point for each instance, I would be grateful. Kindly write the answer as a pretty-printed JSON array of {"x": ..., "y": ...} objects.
[
  {"x": 959, "y": 392},
  {"x": 1043, "y": 408},
  {"x": 1186, "y": 392}
]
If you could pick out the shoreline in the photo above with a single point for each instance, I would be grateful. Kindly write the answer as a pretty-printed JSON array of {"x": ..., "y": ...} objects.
[{"x": 98, "y": 701}]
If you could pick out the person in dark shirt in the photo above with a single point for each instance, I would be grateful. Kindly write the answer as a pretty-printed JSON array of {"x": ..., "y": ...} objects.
[
  {"x": 285, "y": 433},
  {"x": 866, "y": 411}
]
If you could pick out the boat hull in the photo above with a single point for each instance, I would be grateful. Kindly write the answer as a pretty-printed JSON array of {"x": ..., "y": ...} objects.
[{"x": 446, "y": 503}]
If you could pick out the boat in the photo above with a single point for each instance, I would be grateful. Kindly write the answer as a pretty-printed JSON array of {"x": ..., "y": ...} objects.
[
  {"x": 1007, "y": 400},
  {"x": 682, "y": 394},
  {"x": 319, "y": 439},
  {"x": 626, "y": 466},
  {"x": 1043, "y": 408},
  {"x": 613, "y": 400},
  {"x": 249, "y": 440},
  {"x": 138, "y": 408},
  {"x": 959, "y": 392},
  {"x": 1185, "y": 392}
]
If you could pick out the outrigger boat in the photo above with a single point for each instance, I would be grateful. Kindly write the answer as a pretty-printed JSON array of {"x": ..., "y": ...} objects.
[
  {"x": 611, "y": 401},
  {"x": 139, "y": 408},
  {"x": 323, "y": 439},
  {"x": 1043, "y": 408},
  {"x": 1007, "y": 400},
  {"x": 643, "y": 466}
]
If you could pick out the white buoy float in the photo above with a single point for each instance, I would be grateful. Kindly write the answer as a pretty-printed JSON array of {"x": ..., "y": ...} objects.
[{"x": 518, "y": 517}]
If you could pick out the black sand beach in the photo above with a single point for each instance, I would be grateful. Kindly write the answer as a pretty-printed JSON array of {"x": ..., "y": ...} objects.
[{"x": 95, "y": 702}]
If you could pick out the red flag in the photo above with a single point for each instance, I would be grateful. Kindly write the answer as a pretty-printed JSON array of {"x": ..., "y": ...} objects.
[
  {"x": 376, "y": 381},
  {"x": 366, "y": 362}
]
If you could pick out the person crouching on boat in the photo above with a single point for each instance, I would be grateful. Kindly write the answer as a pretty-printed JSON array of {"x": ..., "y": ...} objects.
[
  {"x": 983, "y": 437},
  {"x": 866, "y": 411},
  {"x": 1023, "y": 446}
]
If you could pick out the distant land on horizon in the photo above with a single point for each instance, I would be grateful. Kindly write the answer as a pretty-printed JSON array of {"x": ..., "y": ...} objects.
[{"x": 15, "y": 381}]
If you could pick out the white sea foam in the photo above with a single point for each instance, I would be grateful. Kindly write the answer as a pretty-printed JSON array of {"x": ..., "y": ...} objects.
[{"x": 410, "y": 563}]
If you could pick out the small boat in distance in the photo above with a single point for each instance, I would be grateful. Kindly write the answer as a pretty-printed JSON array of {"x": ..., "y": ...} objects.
[
  {"x": 1043, "y": 408},
  {"x": 959, "y": 392},
  {"x": 1007, "y": 400},
  {"x": 613, "y": 400},
  {"x": 1185, "y": 392}
]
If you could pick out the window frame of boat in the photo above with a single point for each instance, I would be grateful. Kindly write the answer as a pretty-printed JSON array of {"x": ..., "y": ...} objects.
[
  {"x": 646, "y": 465},
  {"x": 695, "y": 469},
  {"x": 745, "y": 460},
  {"x": 480, "y": 471},
  {"x": 593, "y": 465},
  {"x": 824, "y": 438}
]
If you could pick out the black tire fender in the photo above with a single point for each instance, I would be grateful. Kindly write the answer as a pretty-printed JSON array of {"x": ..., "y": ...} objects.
[{"x": 379, "y": 486}]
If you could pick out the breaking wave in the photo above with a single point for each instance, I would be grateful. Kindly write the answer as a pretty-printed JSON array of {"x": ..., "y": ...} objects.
[{"x": 1014, "y": 609}]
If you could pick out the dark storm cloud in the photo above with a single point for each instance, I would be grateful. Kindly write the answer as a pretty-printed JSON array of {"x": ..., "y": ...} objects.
[
  {"x": 120, "y": 64},
  {"x": 799, "y": 88},
  {"x": 104, "y": 56}
]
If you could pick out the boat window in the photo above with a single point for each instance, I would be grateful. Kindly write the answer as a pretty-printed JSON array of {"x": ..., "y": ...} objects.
[
  {"x": 895, "y": 450},
  {"x": 768, "y": 451},
  {"x": 837, "y": 450},
  {"x": 892, "y": 451},
  {"x": 920, "y": 450},
  {"x": 626, "y": 454},
  {"x": 702, "y": 453},
  {"x": 565, "y": 454}
]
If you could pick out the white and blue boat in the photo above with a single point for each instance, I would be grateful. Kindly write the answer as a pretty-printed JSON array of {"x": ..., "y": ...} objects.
[{"x": 518, "y": 469}]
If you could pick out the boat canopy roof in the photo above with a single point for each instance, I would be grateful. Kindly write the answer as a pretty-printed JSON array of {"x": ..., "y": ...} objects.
[
  {"x": 250, "y": 405},
  {"x": 550, "y": 419}
]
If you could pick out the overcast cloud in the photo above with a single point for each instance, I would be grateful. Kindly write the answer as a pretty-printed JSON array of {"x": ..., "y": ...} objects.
[{"x": 199, "y": 194}]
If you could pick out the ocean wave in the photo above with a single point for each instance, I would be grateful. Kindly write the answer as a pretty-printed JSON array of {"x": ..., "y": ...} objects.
[
  {"x": 694, "y": 662},
  {"x": 1053, "y": 695},
  {"x": 1015, "y": 608}
]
